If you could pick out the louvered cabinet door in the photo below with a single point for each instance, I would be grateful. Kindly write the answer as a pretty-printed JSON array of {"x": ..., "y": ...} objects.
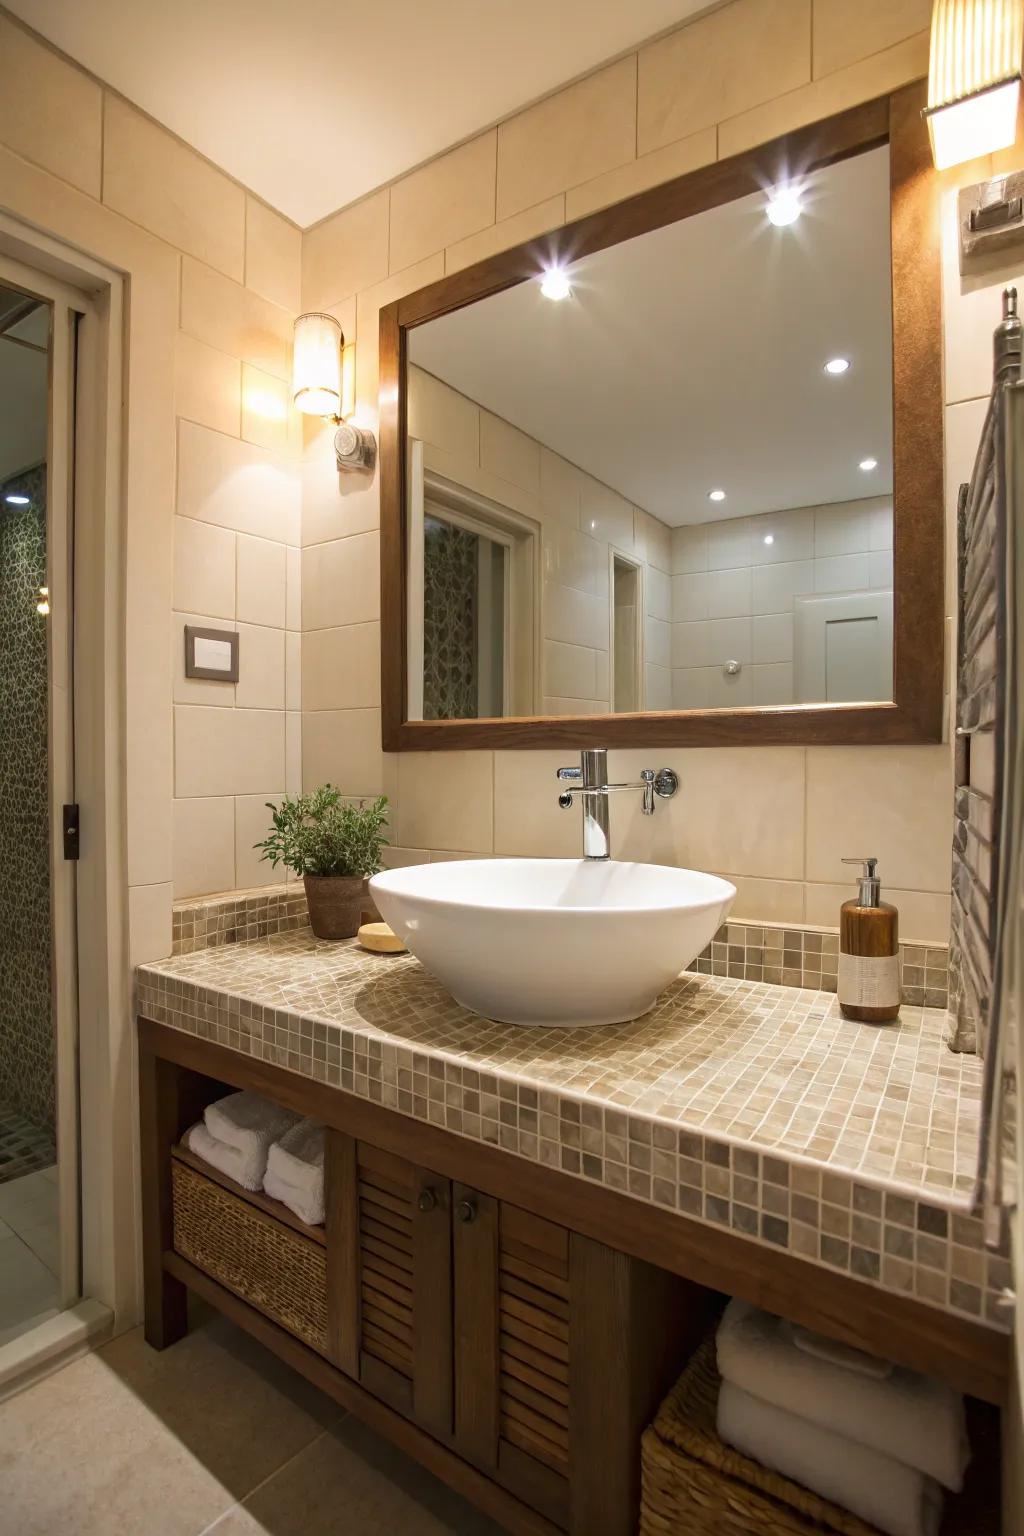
[
  {"x": 512, "y": 1348},
  {"x": 389, "y": 1222}
]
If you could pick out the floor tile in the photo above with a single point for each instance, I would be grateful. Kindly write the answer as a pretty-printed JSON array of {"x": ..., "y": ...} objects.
[
  {"x": 350, "y": 1470},
  {"x": 127, "y": 1440},
  {"x": 27, "y": 1287}
]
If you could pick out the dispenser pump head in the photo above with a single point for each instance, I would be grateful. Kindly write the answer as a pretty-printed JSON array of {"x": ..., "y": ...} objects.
[{"x": 870, "y": 885}]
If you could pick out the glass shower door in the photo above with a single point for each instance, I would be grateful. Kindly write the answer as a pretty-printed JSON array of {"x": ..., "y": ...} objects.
[{"x": 38, "y": 1112}]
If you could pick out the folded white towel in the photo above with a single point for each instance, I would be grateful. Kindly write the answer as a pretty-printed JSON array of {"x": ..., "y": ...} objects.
[
  {"x": 243, "y": 1167},
  {"x": 895, "y": 1498},
  {"x": 902, "y": 1414},
  {"x": 298, "y": 1157},
  {"x": 308, "y": 1205},
  {"x": 251, "y": 1124}
]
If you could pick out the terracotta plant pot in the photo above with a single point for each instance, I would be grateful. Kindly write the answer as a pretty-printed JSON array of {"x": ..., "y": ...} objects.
[{"x": 336, "y": 904}]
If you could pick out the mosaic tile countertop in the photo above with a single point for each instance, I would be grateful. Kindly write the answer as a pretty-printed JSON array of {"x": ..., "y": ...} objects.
[{"x": 743, "y": 1103}]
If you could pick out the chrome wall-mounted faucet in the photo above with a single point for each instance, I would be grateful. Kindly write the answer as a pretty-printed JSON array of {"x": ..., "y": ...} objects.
[{"x": 592, "y": 778}]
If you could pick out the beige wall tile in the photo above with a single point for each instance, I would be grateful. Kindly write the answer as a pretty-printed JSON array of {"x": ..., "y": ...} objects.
[
  {"x": 841, "y": 38},
  {"x": 605, "y": 515},
  {"x": 896, "y": 804},
  {"x": 527, "y": 225},
  {"x": 465, "y": 473},
  {"x": 273, "y": 255},
  {"x": 346, "y": 253},
  {"x": 204, "y": 846},
  {"x": 342, "y": 747},
  {"x": 737, "y": 811},
  {"x": 509, "y": 453},
  {"x": 924, "y": 916},
  {"x": 341, "y": 667},
  {"x": 719, "y": 65},
  {"x": 149, "y": 923},
  {"x": 443, "y": 201},
  {"x": 445, "y": 800},
  {"x": 293, "y": 589},
  {"x": 236, "y": 485},
  {"x": 335, "y": 505},
  {"x": 341, "y": 582},
  {"x": 207, "y": 385},
  {"x": 155, "y": 179},
  {"x": 650, "y": 170},
  {"x": 442, "y": 416},
  {"x": 848, "y": 87},
  {"x": 266, "y": 410},
  {"x": 50, "y": 112},
  {"x": 252, "y": 823},
  {"x": 293, "y": 752},
  {"x": 228, "y": 316},
  {"x": 571, "y": 137},
  {"x": 528, "y": 821},
  {"x": 369, "y": 303},
  {"x": 292, "y": 671},
  {"x": 261, "y": 582},
  {"x": 767, "y": 901},
  {"x": 260, "y": 671},
  {"x": 226, "y": 751},
  {"x": 963, "y": 424},
  {"x": 204, "y": 569}
]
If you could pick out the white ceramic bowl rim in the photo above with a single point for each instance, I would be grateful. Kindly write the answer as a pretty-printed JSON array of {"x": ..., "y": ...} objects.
[{"x": 685, "y": 890}]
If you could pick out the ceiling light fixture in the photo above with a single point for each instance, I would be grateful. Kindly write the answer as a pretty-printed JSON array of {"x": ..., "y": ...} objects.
[
  {"x": 868, "y": 464},
  {"x": 784, "y": 207},
  {"x": 555, "y": 284},
  {"x": 769, "y": 538},
  {"x": 974, "y": 74},
  {"x": 837, "y": 365},
  {"x": 323, "y": 384},
  {"x": 716, "y": 495},
  {"x": 17, "y": 501}
]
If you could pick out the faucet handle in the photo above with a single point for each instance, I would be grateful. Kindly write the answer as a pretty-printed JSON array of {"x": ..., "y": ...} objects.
[
  {"x": 647, "y": 775},
  {"x": 573, "y": 775}
]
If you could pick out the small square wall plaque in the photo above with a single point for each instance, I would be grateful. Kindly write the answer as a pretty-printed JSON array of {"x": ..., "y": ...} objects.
[{"x": 211, "y": 654}]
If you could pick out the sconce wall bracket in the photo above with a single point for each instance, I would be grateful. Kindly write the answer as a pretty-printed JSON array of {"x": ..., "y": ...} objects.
[
  {"x": 990, "y": 216},
  {"x": 354, "y": 447}
]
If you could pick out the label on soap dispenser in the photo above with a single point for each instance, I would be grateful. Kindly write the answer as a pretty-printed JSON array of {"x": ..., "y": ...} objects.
[{"x": 869, "y": 981}]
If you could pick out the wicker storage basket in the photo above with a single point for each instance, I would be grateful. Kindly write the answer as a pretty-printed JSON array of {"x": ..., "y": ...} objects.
[
  {"x": 694, "y": 1483},
  {"x": 265, "y": 1262}
]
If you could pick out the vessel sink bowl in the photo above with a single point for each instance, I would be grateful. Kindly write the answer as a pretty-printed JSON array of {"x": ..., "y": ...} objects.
[{"x": 561, "y": 942}]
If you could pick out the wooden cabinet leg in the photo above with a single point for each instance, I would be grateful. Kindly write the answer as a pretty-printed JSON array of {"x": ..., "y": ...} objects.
[{"x": 170, "y": 1098}]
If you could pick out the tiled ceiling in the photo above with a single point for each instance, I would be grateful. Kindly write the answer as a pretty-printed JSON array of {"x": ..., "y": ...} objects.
[{"x": 311, "y": 104}]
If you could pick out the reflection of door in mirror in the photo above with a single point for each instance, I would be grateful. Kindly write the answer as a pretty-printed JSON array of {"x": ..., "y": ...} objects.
[
  {"x": 842, "y": 647},
  {"x": 627, "y": 635}
]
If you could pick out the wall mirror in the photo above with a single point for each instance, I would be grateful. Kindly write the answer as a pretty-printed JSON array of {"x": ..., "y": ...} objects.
[{"x": 673, "y": 474}]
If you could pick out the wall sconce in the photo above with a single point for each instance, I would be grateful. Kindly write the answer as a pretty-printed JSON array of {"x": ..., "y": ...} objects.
[
  {"x": 323, "y": 384},
  {"x": 974, "y": 75}
]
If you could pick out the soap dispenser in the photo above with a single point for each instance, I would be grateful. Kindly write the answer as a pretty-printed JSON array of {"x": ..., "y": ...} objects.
[{"x": 869, "y": 964}]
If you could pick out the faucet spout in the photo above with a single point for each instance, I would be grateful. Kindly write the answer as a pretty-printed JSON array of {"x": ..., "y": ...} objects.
[{"x": 592, "y": 779}]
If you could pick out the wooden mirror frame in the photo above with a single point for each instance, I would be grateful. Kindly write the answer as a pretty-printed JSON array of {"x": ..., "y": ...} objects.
[{"x": 915, "y": 712}]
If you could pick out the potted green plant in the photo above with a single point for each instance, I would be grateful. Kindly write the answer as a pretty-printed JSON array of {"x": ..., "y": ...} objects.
[{"x": 335, "y": 847}]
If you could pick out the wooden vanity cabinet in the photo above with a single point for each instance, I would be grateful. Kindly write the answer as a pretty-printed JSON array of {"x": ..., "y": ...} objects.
[{"x": 532, "y": 1352}]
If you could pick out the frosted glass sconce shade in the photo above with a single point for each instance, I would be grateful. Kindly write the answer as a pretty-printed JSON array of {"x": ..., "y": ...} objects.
[
  {"x": 974, "y": 77},
  {"x": 316, "y": 365}
]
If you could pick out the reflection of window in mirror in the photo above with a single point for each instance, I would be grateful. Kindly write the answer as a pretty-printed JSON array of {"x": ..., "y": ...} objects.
[{"x": 696, "y": 444}]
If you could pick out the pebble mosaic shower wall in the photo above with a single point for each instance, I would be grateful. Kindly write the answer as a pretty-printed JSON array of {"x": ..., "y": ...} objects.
[{"x": 26, "y": 1025}]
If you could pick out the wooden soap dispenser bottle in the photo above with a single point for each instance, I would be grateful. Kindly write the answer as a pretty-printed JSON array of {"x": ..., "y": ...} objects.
[{"x": 869, "y": 964}]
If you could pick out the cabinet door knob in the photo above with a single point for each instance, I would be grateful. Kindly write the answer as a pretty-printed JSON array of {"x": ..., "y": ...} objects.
[
  {"x": 427, "y": 1200},
  {"x": 466, "y": 1210}
]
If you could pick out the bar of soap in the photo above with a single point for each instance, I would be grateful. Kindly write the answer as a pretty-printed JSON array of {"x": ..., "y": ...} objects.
[{"x": 380, "y": 939}]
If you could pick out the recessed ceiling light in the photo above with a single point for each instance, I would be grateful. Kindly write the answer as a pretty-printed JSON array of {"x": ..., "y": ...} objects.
[
  {"x": 716, "y": 495},
  {"x": 867, "y": 464},
  {"x": 837, "y": 365},
  {"x": 17, "y": 501},
  {"x": 555, "y": 284},
  {"x": 769, "y": 538},
  {"x": 784, "y": 206}
]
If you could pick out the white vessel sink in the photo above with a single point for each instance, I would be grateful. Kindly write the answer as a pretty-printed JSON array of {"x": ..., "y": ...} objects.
[{"x": 553, "y": 941}]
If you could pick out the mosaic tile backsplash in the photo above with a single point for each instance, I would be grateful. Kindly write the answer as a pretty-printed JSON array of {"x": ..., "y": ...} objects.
[
  {"x": 237, "y": 916},
  {"x": 735, "y": 1102}
]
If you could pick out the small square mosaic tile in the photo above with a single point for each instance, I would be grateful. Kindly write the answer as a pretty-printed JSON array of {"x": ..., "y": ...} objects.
[
  {"x": 204, "y": 923},
  {"x": 736, "y": 1102},
  {"x": 809, "y": 957}
]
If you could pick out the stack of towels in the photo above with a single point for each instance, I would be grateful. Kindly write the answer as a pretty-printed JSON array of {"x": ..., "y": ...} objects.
[
  {"x": 263, "y": 1147},
  {"x": 872, "y": 1437}
]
